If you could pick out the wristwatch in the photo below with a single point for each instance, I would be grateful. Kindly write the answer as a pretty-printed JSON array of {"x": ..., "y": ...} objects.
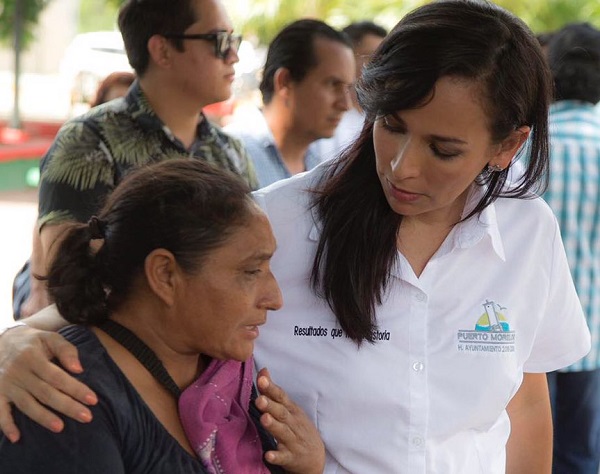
[{"x": 12, "y": 326}]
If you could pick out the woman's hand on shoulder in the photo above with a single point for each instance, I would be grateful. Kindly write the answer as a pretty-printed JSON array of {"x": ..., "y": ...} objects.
[
  {"x": 32, "y": 382},
  {"x": 300, "y": 449}
]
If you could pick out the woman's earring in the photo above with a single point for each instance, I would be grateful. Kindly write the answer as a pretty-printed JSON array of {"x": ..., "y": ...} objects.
[{"x": 494, "y": 168}]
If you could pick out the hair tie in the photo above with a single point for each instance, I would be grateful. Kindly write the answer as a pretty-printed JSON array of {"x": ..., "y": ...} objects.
[{"x": 97, "y": 228}]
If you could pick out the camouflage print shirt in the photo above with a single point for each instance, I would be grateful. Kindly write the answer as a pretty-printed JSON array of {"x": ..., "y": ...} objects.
[{"x": 93, "y": 152}]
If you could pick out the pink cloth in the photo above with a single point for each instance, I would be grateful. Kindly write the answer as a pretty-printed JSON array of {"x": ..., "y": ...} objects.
[{"x": 214, "y": 414}]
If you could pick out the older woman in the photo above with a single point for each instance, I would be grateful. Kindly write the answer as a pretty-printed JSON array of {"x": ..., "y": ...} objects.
[{"x": 167, "y": 288}]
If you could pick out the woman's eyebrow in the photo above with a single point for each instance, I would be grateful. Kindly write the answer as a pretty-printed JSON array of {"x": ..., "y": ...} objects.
[{"x": 441, "y": 138}]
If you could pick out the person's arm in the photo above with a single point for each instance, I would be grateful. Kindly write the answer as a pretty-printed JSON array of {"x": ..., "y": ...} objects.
[
  {"x": 44, "y": 243},
  {"x": 38, "y": 297},
  {"x": 529, "y": 448},
  {"x": 77, "y": 173},
  {"x": 299, "y": 446},
  {"x": 30, "y": 381}
]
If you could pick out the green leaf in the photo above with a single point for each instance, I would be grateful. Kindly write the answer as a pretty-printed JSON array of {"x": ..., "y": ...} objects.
[{"x": 30, "y": 13}]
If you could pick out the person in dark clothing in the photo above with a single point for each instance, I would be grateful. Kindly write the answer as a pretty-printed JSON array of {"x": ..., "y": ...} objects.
[
  {"x": 166, "y": 289},
  {"x": 183, "y": 53}
]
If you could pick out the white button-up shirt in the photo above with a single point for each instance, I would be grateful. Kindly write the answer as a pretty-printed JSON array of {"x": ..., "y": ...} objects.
[{"x": 429, "y": 396}]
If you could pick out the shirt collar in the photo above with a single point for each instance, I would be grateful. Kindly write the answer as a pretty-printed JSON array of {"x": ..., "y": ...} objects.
[
  {"x": 265, "y": 137},
  {"x": 260, "y": 130},
  {"x": 139, "y": 108},
  {"x": 473, "y": 230}
]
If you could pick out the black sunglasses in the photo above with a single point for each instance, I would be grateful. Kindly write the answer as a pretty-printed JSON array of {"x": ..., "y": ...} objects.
[{"x": 224, "y": 42}]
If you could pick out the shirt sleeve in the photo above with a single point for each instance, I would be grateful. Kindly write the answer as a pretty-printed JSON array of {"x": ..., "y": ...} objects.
[
  {"x": 77, "y": 174},
  {"x": 248, "y": 172},
  {"x": 79, "y": 449},
  {"x": 562, "y": 336}
]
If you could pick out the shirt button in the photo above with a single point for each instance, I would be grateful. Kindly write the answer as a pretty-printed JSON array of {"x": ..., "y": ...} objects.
[
  {"x": 420, "y": 297},
  {"x": 418, "y": 442},
  {"x": 418, "y": 366}
]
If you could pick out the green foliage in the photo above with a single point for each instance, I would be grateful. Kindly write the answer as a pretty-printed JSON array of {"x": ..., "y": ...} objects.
[
  {"x": 550, "y": 15},
  {"x": 30, "y": 10},
  {"x": 262, "y": 19},
  {"x": 97, "y": 15}
]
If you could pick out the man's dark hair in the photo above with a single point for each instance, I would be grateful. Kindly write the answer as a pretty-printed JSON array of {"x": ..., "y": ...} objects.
[
  {"x": 574, "y": 58},
  {"x": 139, "y": 20},
  {"x": 544, "y": 38},
  {"x": 293, "y": 49},
  {"x": 358, "y": 30}
]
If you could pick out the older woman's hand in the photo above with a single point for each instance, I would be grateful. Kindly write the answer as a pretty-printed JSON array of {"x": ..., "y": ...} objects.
[{"x": 300, "y": 449}]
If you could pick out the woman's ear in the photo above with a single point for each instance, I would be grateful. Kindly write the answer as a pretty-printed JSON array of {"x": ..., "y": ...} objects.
[
  {"x": 509, "y": 147},
  {"x": 159, "y": 50},
  {"x": 161, "y": 270}
]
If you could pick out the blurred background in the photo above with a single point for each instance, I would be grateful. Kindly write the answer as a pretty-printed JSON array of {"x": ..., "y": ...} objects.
[{"x": 53, "y": 53}]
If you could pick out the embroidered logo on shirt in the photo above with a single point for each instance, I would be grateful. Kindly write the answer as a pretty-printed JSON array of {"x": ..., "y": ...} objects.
[{"x": 492, "y": 332}]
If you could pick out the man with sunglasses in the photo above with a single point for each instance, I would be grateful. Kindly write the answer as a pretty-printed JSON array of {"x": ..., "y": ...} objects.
[
  {"x": 305, "y": 88},
  {"x": 183, "y": 52}
]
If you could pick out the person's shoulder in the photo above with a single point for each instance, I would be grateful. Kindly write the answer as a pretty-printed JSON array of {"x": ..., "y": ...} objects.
[
  {"x": 100, "y": 373},
  {"x": 77, "y": 334},
  {"x": 250, "y": 138},
  {"x": 85, "y": 129},
  {"x": 249, "y": 124},
  {"x": 574, "y": 120},
  {"x": 529, "y": 202},
  {"x": 529, "y": 211},
  {"x": 225, "y": 136},
  {"x": 100, "y": 113},
  {"x": 91, "y": 351},
  {"x": 297, "y": 190},
  {"x": 83, "y": 143}
]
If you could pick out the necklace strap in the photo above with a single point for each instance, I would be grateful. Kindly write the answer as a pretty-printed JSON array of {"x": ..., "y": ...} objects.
[{"x": 141, "y": 352}]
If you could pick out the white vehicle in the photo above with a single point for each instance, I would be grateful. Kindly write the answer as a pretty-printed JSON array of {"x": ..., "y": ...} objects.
[{"x": 88, "y": 59}]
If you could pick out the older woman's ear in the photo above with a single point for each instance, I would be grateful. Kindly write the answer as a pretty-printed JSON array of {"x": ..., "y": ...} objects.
[{"x": 162, "y": 275}]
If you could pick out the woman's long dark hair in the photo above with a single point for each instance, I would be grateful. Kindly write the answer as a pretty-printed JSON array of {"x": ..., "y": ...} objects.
[
  {"x": 459, "y": 38},
  {"x": 184, "y": 206}
]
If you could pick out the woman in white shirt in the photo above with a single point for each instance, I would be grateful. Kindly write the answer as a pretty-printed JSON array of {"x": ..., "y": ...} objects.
[{"x": 425, "y": 296}]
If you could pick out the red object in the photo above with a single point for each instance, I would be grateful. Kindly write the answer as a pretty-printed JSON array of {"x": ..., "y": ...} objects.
[
  {"x": 36, "y": 129},
  {"x": 12, "y": 136},
  {"x": 30, "y": 142},
  {"x": 220, "y": 111}
]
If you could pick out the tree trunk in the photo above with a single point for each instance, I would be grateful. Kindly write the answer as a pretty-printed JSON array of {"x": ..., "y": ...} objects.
[{"x": 15, "y": 121}]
